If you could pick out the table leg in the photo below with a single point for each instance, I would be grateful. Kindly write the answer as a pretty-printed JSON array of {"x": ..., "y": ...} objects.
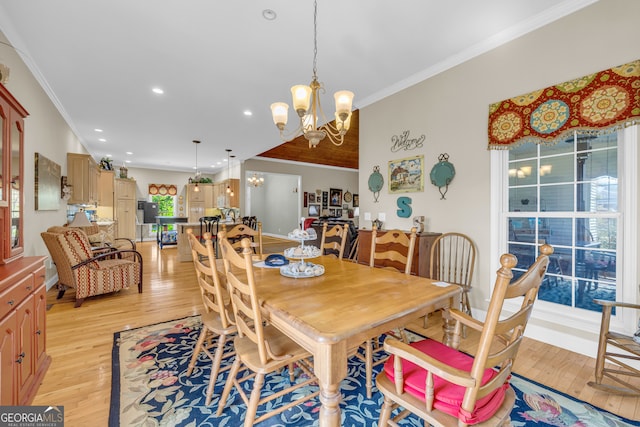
[
  {"x": 448, "y": 324},
  {"x": 330, "y": 366},
  {"x": 448, "y": 327}
]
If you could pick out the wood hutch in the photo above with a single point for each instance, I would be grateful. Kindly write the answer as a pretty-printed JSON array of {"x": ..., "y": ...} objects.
[{"x": 23, "y": 357}]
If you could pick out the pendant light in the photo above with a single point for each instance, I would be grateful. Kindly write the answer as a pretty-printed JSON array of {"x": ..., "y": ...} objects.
[
  {"x": 196, "y": 188},
  {"x": 229, "y": 157}
]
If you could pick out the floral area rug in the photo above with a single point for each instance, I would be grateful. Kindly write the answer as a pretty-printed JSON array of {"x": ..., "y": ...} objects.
[{"x": 150, "y": 388}]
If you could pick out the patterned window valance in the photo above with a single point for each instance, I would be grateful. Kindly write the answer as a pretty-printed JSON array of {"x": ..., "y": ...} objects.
[
  {"x": 598, "y": 103},
  {"x": 163, "y": 189}
]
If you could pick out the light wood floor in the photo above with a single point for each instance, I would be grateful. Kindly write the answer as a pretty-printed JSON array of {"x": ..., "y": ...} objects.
[{"x": 79, "y": 340}]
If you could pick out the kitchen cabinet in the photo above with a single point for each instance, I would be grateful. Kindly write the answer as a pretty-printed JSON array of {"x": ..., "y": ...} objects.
[
  {"x": 224, "y": 199},
  {"x": 199, "y": 201},
  {"x": 106, "y": 194},
  {"x": 82, "y": 177},
  {"x": 125, "y": 207},
  {"x": 23, "y": 357}
]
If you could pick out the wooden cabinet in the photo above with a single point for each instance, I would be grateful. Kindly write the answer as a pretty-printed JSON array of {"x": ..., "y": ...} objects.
[
  {"x": 199, "y": 201},
  {"x": 421, "y": 255},
  {"x": 23, "y": 357},
  {"x": 222, "y": 198},
  {"x": 12, "y": 116},
  {"x": 82, "y": 176},
  {"x": 106, "y": 194},
  {"x": 125, "y": 207}
]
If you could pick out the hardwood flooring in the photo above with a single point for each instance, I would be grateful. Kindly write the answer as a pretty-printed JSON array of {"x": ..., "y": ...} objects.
[{"x": 80, "y": 340}]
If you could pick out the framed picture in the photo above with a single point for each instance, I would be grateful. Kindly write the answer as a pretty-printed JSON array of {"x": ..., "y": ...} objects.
[
  {"x": 406, "y": 175},
  {"x": 314, "y": 210},
  {"x": 47, "y": 184},
  {"x": 335, "y": 197},
  {"x": 356, "y": 201},
  {"x": 325, "y": 199},
  {"x": 338, "y": 213},
  {"x": 345, "y": 207},
  {"x": 304, "y": 199},
  {"x": 312, "y": 197},
  {"x": 332, "y": 212}
]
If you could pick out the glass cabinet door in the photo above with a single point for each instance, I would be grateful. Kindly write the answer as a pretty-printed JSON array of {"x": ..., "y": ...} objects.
[
  {"x": 3, "y": 120},
  {"x": 12, "y": 116},
  {"x": 17, "y": 178}
]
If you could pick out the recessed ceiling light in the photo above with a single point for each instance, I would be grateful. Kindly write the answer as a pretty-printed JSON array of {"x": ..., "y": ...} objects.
[
  {"x": 98, "y": 130},
  {"x": 109, "y": 155},
  {"x": 248, "y": 113},
  {"x": 102, "y": 140},
  {"x": 127, "y": 161},
  {"x": 157, "y": 90},
  {"x": 269, "y": 14},
  {"x": 129, "y": 153}
]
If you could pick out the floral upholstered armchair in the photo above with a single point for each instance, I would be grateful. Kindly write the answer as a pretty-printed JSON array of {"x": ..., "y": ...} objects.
[{"x": 90, "y": 273}]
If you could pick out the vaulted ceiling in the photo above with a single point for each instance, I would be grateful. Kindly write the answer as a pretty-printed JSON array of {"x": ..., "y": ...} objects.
[{"x": 217, "y": 61}]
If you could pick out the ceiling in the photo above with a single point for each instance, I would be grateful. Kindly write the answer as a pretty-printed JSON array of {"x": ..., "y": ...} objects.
[{"x": 99, "y": 60}]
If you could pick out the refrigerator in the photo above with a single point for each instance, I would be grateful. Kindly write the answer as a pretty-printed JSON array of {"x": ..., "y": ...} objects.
[{"x": 150, "y": 210}]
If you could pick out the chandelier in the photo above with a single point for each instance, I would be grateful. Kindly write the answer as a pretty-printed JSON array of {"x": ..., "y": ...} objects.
[
  {"x": 306, "y": 102},
  {"x": 255, "y": 180}
]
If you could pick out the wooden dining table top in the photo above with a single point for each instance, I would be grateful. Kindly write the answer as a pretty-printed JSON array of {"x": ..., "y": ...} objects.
[{"x": 347, "y": 300}]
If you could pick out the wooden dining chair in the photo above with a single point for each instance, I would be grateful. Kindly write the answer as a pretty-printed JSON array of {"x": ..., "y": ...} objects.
[
  {"x": 452, "y": 260},
  {"x": 447, "y": 387},
  {"x": 259, "y": 346},
  {"x": 392, "y": 250},
  {"x": 333, "y": 241},
  {"x": 217, "y": 317},
  {"x": 236, "y": 233},
  {"x": 209, "y": 224},
  {"x": 619, "y": 351}
]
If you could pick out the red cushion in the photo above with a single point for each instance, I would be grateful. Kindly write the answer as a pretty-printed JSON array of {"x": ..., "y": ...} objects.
[{"x": 447, "y": 396}]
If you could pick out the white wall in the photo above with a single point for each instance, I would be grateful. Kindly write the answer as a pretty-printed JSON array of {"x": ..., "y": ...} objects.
[
  {"x": 47, "y": 133},
  {"x": 452, "y": 110},
  {"x": 313, "y": 177}
]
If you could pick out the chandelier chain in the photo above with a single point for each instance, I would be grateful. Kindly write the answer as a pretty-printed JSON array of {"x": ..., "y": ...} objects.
[{"x": 315, "y": 38}]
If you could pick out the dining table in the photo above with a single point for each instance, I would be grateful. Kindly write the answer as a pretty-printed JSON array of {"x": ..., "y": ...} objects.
[{"x": 332, "y": 314}]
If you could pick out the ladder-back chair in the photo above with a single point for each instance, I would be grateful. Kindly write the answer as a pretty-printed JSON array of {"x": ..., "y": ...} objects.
[
  {"x": 236, "y": 233},
  {"x": 217, "y": 317},
  {"x": 392, "y": 250},
  {"x": 259, "y": 346},
  {"x": 446, "y": 387},
  {"x": 334, "y": 240}
]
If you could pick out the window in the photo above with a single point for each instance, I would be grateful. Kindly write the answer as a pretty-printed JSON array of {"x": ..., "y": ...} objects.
[
  {"x": 165, "y": 208},
  {"x": 580, "y": 196},
  {"x": 566, "y": 194}
]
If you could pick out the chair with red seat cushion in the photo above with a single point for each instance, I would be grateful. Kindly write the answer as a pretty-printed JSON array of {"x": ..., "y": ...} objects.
[{"x": 446, "y": 387}]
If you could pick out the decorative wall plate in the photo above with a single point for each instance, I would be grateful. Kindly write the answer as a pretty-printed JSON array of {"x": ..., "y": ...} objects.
[
  {"x": 442, "y": 174},
  {"x": 347, "y": 197},
  {"x": 376, "y": 182}
]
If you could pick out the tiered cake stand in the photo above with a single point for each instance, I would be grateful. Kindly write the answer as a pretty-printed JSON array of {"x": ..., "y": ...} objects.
[{"x": 302, "y": 268}]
